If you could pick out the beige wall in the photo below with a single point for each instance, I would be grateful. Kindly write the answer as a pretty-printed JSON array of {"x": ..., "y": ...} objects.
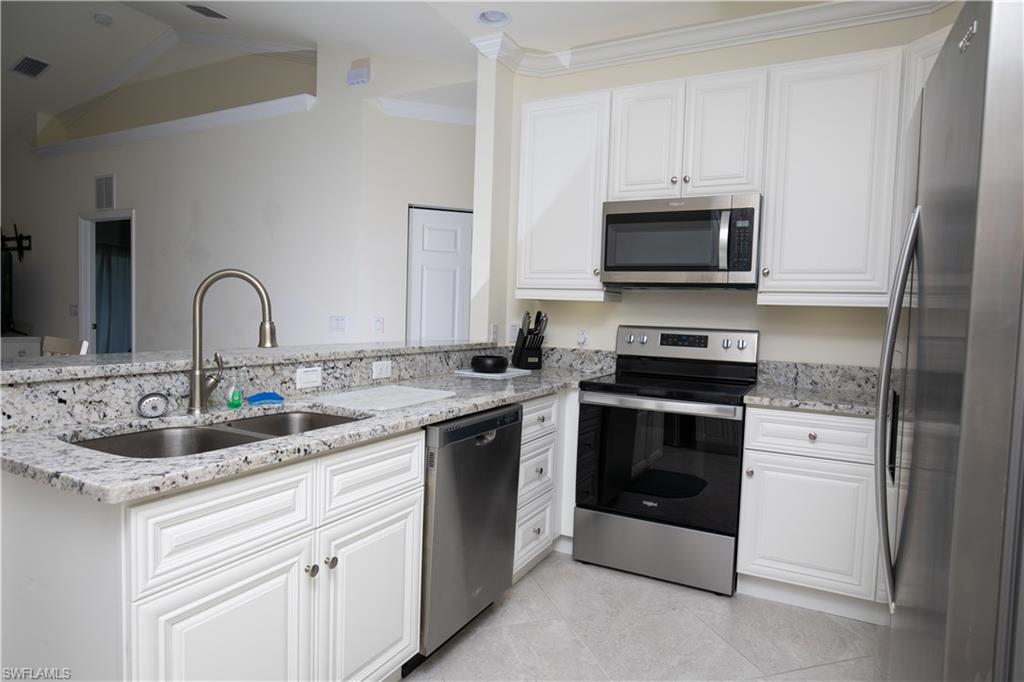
[
  {"x": 839, "y": 335},
  {"x": 312, "y": 203}
]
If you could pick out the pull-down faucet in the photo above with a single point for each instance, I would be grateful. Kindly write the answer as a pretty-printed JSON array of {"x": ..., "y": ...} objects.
[{"x": 202, "y": 385}]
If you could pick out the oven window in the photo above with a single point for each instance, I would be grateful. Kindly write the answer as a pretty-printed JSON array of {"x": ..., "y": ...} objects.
[
  {"x": 677, "y": 240},
  {"x": 677, "y": 469}
]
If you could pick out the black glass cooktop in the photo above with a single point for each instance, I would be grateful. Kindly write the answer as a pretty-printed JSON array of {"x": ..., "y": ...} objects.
[{"x": 671, "y": 388}]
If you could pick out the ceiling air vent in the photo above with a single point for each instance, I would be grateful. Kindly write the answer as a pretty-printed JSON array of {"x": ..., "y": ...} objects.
[
  {"x": 30, "y": 66},
  {"x": 206, "y": 11}
]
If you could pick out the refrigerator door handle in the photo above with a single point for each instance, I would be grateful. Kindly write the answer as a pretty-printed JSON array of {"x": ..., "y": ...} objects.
[{"x": 892, "y": 323}]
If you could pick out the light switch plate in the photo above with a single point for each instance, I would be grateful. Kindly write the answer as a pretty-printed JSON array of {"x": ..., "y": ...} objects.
[
  {"x": 494, "y": 333},
  {"x": 513, "y": 332},
  {"x": 582, "y": 336},
  {"x": 378, "y": 325},
  {"x": 309, "y": 377},
  {"x": 337, "y": 323},
  {"x": 382, "y": 369}
]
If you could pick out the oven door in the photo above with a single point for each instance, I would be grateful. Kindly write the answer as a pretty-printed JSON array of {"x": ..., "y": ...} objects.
[
  {"x": 661, "y": 460},
  {"x": 667, "y": 241}
]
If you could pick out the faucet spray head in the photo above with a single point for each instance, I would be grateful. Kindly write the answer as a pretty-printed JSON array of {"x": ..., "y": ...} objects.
[{"x": 268, "y": 334}]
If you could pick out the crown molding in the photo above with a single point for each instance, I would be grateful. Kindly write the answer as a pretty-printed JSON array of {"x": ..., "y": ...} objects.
[
  {"x": 783, "y": 24},
  {"x": 423, "y": 111},
  {"x": 301, "y": 53},
  {"x": 248, "y": 112}
]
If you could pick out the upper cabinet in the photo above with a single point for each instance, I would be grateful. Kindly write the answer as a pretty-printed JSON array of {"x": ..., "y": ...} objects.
[
  {"x": 831, "y": 169},
  {"x": 563, "y": 180},
  {"x": 723, "y": 148},
  {"x": 647, "y": 141},
  {"x": 704, "y": 135}
]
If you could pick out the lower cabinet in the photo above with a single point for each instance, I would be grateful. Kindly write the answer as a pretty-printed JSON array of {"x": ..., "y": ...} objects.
[
  {"x": 250, "y": 620},
  {"x": 369, "y": 591},
  {"x": 536, "y": 526}
]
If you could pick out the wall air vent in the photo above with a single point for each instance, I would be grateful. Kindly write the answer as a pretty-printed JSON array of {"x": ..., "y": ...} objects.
[
  {"x": 104, "y": 192},
  {"x": 30, "y": 66},
  {"x": 206, "y": 11}
]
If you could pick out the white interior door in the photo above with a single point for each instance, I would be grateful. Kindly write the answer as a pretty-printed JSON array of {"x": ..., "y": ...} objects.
[{"x": 440, "y": 253}]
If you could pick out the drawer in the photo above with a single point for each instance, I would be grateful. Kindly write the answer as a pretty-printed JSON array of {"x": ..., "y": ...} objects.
[
  {"x": 193, "y": 532},
  {"x": 540, "y": 417},
  {"x": 534, "y": 525},
  {"x": 849, "y": 439},
  {"x": 361, "y": 476},
  {"x": 536, "y": 463}
]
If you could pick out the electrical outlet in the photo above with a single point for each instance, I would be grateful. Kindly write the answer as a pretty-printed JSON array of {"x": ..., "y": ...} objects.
[
  {"x": 73, "y": 310},
  {"x": 494, "y": 333},
  {"x": 513, "y": 332},
  {"x": 582, "y": 336},
  {"x": 309, "y": 377},
  {"x": 338, "y": 324},
  {"x": 378, "y": 325},
  {"x": 382, "y": 369}
]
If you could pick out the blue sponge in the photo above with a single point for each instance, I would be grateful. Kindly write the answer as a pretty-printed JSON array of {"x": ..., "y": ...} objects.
[{"x": 265, "y": 398}]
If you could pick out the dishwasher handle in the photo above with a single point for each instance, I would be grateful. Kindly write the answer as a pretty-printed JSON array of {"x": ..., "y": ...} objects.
[{"x": 486, "y": 438}]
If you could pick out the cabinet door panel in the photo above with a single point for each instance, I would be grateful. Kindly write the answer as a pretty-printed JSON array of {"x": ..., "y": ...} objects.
[
  {"x": 808, "y": 522},
  {"x": 248, "y": 621},
  {"x": 725, "y": 119},
  {"x": 369, "y": 610},
  {"x": 562, "y": 184},
  {"x": 831, "y": 170},
  {"x": 646, "y": 151}
]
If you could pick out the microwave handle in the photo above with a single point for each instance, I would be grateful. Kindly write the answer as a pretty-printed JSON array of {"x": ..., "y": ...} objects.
[{"x": 723, "y": 240}]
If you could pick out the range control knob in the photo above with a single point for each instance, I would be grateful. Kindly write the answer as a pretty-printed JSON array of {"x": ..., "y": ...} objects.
[
  {"x": 726, "y": 344},
  {"x": 630, "y": 338},
  {"x": 643, "y": 338},
  {"x": 741, "y": 344}
]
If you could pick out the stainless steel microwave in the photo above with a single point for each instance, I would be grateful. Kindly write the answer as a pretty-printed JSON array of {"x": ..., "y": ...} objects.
[{"x": 693, "y": 241}]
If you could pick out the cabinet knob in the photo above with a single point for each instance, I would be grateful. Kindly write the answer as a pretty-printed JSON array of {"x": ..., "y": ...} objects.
[
  {"x": 541, "y": 418},
  {"x": 597, "y": 271},
  {"x": 674, "y": 179},
  {"x": 312, "y": 570},
  {"x": 765, "y": 272},
  {"x": 537, "y": 531},
  {"x": 331, "y": 562},
  {"x": 750, "y": 473},
  {"x": 540, "y": 471},
  {"x": 686, "y": 179},
  {"x": 812, "y": 436}
]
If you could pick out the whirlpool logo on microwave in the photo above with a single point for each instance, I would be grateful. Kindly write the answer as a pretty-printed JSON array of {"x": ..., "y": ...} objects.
[{"x": 648, "y": 503}]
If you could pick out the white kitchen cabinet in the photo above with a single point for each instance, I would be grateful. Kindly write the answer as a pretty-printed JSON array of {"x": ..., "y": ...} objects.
[
  {"x": 723, "y": 148},
  {"x": 808, "y": 522},
  {"x": 369, "y": 590},
  {"x": 647, "y": 145},
  {"x": 537, "y": 515},
  {"x": 563, "y": 181},
  {"x": 828, "y": 213},
  {"x": 250, "y": 620}
]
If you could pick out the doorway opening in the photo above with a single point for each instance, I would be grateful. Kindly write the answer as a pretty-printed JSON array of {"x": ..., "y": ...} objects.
[
  {"x": 106, "y": 285},
  {"x": 440, "y": 258}
]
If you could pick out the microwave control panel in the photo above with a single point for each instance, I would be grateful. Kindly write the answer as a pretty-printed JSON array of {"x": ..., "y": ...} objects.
[{"x": 741, "y": 239}]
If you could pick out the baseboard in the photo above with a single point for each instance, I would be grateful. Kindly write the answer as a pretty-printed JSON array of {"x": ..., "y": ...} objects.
[
  {"x": 563, "y": 544},
  {"x": 835, "y": 604}
]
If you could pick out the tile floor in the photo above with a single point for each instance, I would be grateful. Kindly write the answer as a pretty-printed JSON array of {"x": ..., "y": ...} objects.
[{"x": 572, "y": 621}]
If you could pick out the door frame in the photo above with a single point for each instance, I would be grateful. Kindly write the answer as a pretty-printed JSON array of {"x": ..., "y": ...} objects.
[
  {"x": 408, "y": 261},
  {"x": 87, "y": 268}
]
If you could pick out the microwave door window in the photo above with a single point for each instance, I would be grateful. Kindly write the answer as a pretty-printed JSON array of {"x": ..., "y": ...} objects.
[{"x": 662, "y": 241}]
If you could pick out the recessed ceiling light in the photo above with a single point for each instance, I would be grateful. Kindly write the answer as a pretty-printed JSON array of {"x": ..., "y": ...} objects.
[
  {"x": 103, "y": 19},
  {"x": 492, "y": 17}
]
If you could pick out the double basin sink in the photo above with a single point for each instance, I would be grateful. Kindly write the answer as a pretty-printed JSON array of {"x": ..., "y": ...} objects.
[{"x": 191, "y": 440}]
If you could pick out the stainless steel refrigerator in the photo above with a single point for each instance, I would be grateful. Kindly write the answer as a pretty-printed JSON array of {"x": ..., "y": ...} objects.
[{"x": 951, "y": 386}]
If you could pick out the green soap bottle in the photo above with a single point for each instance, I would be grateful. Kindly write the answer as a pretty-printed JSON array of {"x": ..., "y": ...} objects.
[{"x": 234, "y": 396}]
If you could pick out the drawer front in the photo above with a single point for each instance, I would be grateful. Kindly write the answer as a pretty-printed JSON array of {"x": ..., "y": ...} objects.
[
  {"x": 849, "y": 439},
  {"x": 534, "y": 525},
  {"x": 193, "y": 532},
  {"x": 359, "y": 477},
  {"x": 535, "y": 468},
  {"x": 540, "y": 417}
]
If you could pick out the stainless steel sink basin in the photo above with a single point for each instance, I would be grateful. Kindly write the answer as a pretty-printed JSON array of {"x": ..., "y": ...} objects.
[
  {"x": 288, "y": 423},
  {"x": 171, "y": 442}
]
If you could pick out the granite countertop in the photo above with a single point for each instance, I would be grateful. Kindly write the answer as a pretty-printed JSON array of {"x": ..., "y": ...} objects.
[
  {"x": 849, "y": 401},
  {"x": 50, "y": 458},
  {"x": 23, "y": 370}
]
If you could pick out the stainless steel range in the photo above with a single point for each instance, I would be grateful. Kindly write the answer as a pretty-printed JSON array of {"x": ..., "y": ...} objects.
[{"x": 658, "y": 467}]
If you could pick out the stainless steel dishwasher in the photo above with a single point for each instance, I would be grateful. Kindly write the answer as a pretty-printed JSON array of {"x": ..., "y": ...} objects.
[{"x": 470, "y": 519}]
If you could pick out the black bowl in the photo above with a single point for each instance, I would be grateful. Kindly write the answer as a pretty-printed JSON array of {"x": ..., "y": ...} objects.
[{"x": 489, "y": 364}]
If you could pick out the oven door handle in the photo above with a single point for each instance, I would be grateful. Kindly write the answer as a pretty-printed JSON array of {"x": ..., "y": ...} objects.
[
  {"x": 723, "y": 240},
  {"x": 732, "y": 412}
]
